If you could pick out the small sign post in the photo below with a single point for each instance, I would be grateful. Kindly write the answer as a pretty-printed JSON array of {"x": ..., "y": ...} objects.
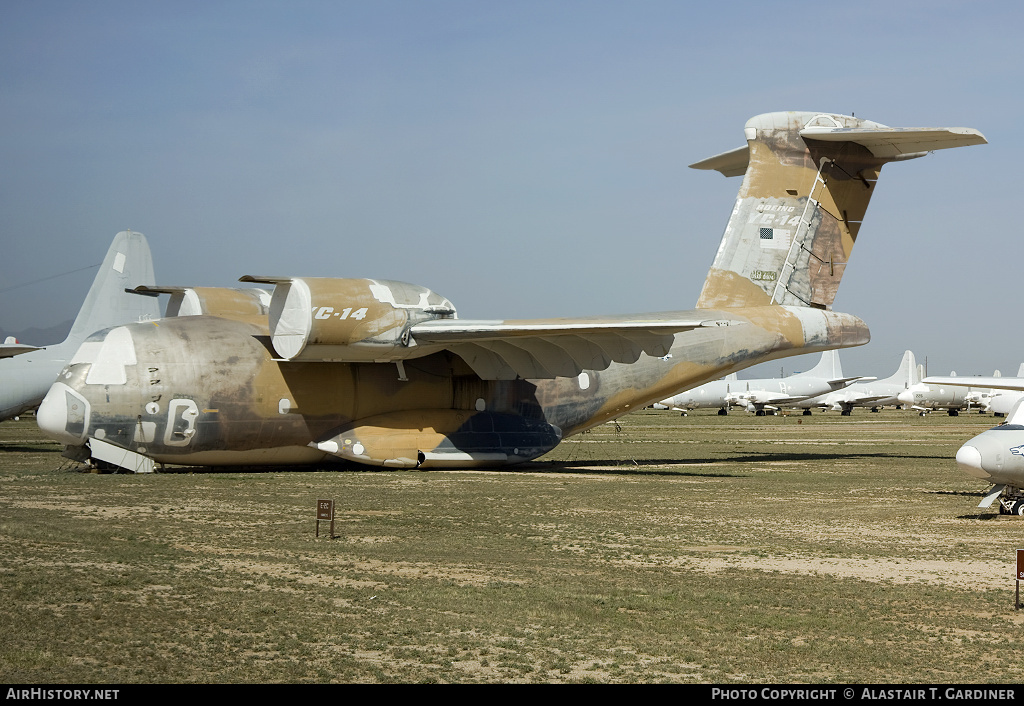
[
  {"x": 1020, "y": 575},
  {"x": 324, "y": 511}
]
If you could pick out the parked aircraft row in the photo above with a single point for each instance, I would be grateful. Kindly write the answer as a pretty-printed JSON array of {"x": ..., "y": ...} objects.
[
  {"x": 955, "y": 394},
  {"x": 822, "y": 387},
  {"x": 384, "y": 373}
]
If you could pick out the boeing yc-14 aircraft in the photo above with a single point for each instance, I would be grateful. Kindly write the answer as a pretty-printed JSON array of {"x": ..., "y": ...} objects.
[{"x": 384, "y": 373}]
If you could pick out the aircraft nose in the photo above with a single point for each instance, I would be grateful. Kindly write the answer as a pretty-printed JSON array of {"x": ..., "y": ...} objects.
[
  {"x": 906, "y": 397},
  {"x": 64, "y": 415},
  {"x": 969, "y": 460}
]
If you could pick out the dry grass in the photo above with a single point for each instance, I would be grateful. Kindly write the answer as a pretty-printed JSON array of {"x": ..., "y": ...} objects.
[{"x": 697, "y": 549}]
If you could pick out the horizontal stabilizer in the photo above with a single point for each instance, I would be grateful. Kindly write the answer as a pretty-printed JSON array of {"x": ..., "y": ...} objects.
[
  {"x": 891, "y": 143},
  {"x": 731, "y": 163},
  {"x": 897, "y": 142},
  {"x": 9, "y": 350}
]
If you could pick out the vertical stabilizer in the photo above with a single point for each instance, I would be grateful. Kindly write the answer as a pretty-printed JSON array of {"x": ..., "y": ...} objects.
[
  {"x": 908, "y": 374},
  {"x": 828, "y": 367},
  {"x": 25, "y": 378},
  {"x": 806, "y": 187},
  {"x": 128, "y": 264}
]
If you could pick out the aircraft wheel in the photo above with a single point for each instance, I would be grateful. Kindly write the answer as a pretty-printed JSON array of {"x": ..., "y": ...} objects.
[
  {"x": 807, "y": 412},
  {"x": 845, "y": 413},
  {"x": 1018, "y": 508},
  {"x": 722, "y": 413},
  {"x": 954, "y": 413}
]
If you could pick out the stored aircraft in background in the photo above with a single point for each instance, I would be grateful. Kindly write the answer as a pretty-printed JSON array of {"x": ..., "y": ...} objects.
[
  {"x": 1001, "y": 402},
  {"x": 383, "y": 373},
  {"x": 994, "y": 394},
  {"x": 26, "y": 372},
  {"x": 759, "y": 395},
  {"x": 996, "y": 455},
  {"x": 928, "y": 396},
  {"x": 870, "y": 393}
]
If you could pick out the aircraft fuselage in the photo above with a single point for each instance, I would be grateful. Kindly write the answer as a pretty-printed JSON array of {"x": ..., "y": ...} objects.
[
  {"x": 995, "y": 455},
  {"x": 209, "y": 391}
]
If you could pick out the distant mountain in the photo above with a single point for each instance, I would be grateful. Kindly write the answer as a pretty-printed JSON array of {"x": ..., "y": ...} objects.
[{"x": 40, "y": 336}]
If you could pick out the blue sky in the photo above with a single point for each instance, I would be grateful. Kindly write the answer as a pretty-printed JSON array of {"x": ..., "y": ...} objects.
[{"x": 524, "y": 159}]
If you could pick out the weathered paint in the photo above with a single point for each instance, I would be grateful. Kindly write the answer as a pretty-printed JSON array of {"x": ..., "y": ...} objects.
[{"x": 381, "y": 373}]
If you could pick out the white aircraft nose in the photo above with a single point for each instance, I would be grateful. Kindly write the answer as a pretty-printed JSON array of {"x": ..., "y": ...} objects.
[
  {"x": 906, "y": 397},
  {"x": 63, "y": 415},
  {"x": 969, "y": 459}
]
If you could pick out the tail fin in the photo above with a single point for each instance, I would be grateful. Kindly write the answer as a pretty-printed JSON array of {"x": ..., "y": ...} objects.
[
  {"x": 828, "y": 367},
  {"x": 807, "y": 181},
  {"x": 908, "y": 373},
  {"x": 128, "y": 263}
]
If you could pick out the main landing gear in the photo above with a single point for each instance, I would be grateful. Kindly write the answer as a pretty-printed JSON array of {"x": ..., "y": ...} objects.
[{"x": 1012, "y": 502}]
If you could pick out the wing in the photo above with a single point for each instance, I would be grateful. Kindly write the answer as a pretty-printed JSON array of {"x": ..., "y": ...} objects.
[
  {"x": 548, "y": 348},
  {"x": 986, "y": 382},
  {"x": 380, "y": 321}
]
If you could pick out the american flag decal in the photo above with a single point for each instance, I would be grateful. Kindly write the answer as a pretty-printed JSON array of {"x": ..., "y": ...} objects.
[{"x": 776, "y": 238}]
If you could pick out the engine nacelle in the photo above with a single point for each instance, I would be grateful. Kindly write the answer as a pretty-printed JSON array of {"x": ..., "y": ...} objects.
[
  {"x": 351, "y": 320},
  {"x": 249, "y": 305}
]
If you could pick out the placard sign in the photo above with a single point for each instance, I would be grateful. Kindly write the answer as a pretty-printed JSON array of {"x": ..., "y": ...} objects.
[
  {"x": 324, "y": 511},
  {"x": 1020, "y": 577}
]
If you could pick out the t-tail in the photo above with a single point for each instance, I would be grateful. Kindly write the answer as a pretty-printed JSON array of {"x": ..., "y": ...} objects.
[{"x": 807, "y": 181}]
